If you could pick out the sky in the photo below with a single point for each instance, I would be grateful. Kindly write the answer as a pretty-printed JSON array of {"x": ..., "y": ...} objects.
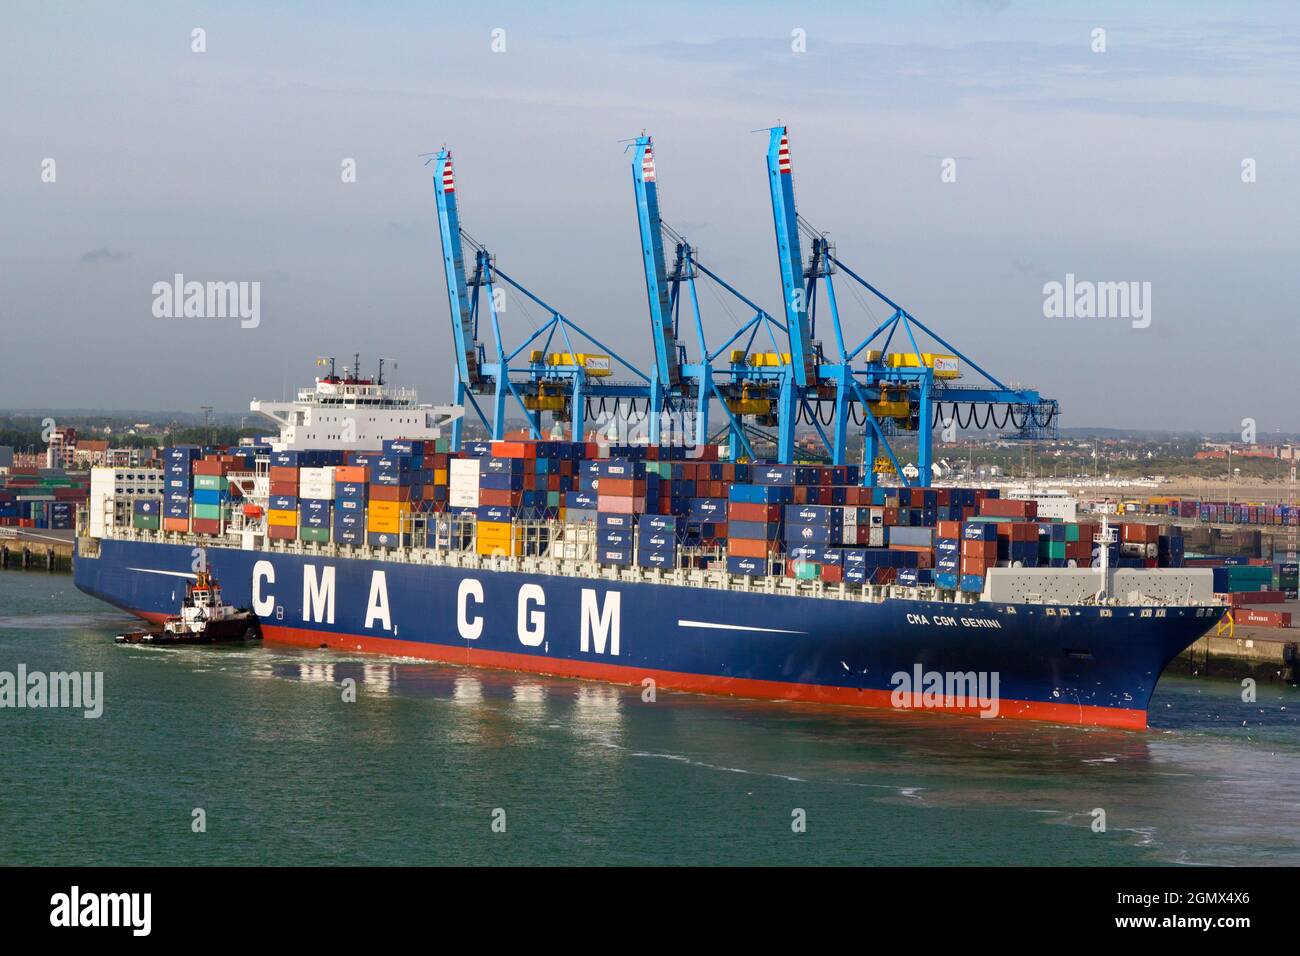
[{"x": 1124, "y": 165}]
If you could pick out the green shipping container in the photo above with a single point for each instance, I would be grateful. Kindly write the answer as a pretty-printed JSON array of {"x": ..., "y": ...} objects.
[
  {"x": 146, "y": 522},
  {"x": 211, "y": 483},
  {"x": 320, "y": 535},
  {"x": 807, "y": 571},
  {"x": 207, "y": 512}
]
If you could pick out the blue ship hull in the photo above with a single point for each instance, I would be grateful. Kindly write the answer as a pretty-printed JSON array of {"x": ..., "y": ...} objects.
[{"x": 1078, "y": 668}]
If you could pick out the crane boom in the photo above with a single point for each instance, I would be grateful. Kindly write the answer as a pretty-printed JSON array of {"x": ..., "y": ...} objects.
[
  {"x": 667, "y": 363},
  {"x": 790, "y": 258},
  {"x": 453, "y": 259}
]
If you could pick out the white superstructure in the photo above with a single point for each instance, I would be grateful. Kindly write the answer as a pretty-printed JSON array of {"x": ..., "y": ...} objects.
[{"x": 351, "y": 412}]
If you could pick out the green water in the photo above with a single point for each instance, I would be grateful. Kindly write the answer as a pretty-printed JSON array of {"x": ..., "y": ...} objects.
[{"x": 286, "y": 772}]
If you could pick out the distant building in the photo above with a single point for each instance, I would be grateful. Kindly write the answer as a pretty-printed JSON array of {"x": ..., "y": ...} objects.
[
  {"x": 6, "y": 457},
  {"x": 127, "y": 457},
  {"x": 62, "y": 446},
  {"x": 90, "y": 453}
]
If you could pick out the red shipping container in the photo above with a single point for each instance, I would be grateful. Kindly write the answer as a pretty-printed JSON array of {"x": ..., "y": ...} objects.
[
  {"x": 745, "y": 511},
  {"x": 976, "y": 565},
  {"x": 206, "y": 525},
  {"x": 985, "y": 550},
  {"x": 283, "y": 473},
  {"x": 500, "y": 497},
  {"x": 210, "y": 466},
  {"x": 1257, "y": 597},
  {"x": 832, "y": 573},
  {"x": 1018, "y": 531},
  {"x": 282, "y": 532},
  {"x": 1249, "y": 617},
  {"x": 1009, "y": 508},
  {"x": 399, "y": 493},
  {"x": 287, "y": 488},
  {"x": 949, "y": 529}
]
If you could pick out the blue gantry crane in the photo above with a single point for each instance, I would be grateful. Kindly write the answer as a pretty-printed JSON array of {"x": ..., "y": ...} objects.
[
  {"x": 745, "y": 384},
  {"x": 564, "y": 383},
  {"x": 883, "y": 392}
]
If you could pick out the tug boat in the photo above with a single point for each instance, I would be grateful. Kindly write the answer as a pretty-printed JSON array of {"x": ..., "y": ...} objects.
[{"x": 204, "y": 619}]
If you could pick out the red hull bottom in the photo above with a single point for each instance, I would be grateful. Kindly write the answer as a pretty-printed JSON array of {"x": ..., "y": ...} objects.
[{"x": 1075, "y": 714}]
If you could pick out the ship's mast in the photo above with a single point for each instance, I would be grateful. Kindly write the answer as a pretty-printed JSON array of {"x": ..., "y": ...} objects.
[{"x": 1104, "y": 539}]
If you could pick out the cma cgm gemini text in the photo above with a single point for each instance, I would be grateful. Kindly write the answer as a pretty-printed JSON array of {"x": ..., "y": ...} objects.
[{"x": 624, "y": 564}]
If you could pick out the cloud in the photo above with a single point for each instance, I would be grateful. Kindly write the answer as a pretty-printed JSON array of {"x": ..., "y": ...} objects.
[{"x": 105, "y": 255}]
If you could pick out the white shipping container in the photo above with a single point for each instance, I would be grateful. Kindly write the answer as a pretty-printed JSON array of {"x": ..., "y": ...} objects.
[
  {"x": 325, "y": 474},
  {"x": 465, "y": 468},
  {"x": 462, "y": 497}
]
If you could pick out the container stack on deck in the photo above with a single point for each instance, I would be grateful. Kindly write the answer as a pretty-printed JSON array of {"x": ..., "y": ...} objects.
[{"x": 647, "y": 506}]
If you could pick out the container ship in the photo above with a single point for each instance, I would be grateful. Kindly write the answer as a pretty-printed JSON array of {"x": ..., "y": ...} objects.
[
  {"x": 369, "y": 523},
  {"x": 636, "y": 563}
]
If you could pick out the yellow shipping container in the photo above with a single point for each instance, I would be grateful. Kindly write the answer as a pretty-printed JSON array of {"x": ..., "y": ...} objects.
[
  {"x": 282, "y": 519},
  {"x": 440, "y": 476},
  {"x": 506, "y": 546},
  {"x": 389, "y": 509},
  {"x": 384, "y": 525}
]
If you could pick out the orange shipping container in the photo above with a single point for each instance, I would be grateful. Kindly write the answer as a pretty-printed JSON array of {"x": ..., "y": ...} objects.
[
  {"x": 988, "y": 550},
  {"x": 751, "y": 547},
  {"x": 283, "y": 473},
  {"x": 514, "y": 449},
  {"x": 622, "y": 487},
  {"x": 353, "y": 473},
  {"x": 389, "y": 492}
]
